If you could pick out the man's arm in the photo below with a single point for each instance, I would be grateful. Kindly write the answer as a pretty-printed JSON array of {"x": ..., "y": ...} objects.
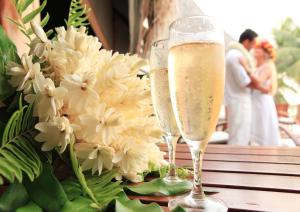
[{"x": 238, "y": 71}]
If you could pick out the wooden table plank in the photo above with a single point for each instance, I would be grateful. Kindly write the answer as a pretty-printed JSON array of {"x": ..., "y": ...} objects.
[
  {"x": 282, "y": 151},
  {"x": 243, "y": 158},
  {"x": 245, "y": 167},
  {"x": 245, "y": 200},
  {"x": 241, "y": 150},
  {"x": 248, "y": 178},
  {"x": 252, "y": 181}
]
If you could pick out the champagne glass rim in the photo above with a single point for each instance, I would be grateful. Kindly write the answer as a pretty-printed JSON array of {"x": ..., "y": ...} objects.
[{"x": 191, "y": 17}]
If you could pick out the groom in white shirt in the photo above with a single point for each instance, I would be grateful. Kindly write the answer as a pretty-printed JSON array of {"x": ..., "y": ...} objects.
[{"x": 237, "y": 89}]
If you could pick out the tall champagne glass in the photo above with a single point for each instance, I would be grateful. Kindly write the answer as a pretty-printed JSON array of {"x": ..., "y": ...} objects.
[
  {"x": 162, "y": 102},
  {"x": 196, "y": 78}
]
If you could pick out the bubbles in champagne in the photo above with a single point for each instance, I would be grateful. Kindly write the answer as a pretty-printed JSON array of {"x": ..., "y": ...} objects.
[
  {"x": 162, "y": 102},
  {"x": 196, "y": 73}
]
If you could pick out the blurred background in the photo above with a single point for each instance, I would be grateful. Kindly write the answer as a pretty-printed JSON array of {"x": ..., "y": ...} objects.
[{"x": 132, "y": 25}]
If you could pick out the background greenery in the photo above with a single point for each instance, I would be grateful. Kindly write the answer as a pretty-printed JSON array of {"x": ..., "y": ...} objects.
[{"x": 287, "y": 37}]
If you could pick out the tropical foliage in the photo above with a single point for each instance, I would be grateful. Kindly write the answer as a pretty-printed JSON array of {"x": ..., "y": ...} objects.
[{"x": 287, "y": 37}]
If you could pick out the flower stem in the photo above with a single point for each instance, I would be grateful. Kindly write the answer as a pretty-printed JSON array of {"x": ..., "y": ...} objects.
[{"x": 78, "y": 172}]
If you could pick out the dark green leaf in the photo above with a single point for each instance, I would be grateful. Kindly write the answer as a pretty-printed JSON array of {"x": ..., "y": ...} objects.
[
  {"x": 179, "y": 209},
  {"x": 46, "y": 191},
  {"x": 124, "y": 204},
  {"x": 2, "y": 127},
  {"x": 160, "y": 187},
  {"x": 30, "y": 207},
  {"x": 80, "y": 204},
  {"x": 8, "y": 52},
  {"x": 34, "y": 13},
  {"x": 13, "y": 103},
  {"x": 5, "y": 88},
  {"x": 14, "y": 197},
  {"x": 72, "y": 188}
]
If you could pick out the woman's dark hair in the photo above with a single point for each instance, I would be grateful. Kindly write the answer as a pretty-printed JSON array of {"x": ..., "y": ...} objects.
[{"x": 248, "y": 34}]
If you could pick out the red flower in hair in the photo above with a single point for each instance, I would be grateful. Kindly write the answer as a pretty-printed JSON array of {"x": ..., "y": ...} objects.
[{"x": 267, "y": 47}]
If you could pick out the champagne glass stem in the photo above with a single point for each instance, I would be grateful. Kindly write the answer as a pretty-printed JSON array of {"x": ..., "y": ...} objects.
[
  {"x": 171, "y": 142},
  {"x": 197, "y": 156}
]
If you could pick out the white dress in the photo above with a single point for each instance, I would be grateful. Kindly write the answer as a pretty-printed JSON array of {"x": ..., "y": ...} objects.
[{"x": 265, "y": 130}]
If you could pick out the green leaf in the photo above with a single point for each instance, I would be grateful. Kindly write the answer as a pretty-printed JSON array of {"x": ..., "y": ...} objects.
[
  {"x": 10, "y": 169},
  {"x": 72, "y": 188},
  {"x": 178, "y": 209},
  {"x": 77, "y": 14},
  {"x": 2, "y": 127},
  {"x": 160, "y": 187},
  {"x": 5, "y": 88},
  {"x": 45, "y": 20},
  {"x": 30, "y": 207},
  {"x": 14, "y": 160},
  {"x": 34, "y": 13},
  {"x": 49, "y": 32},
  {"x": 78, "y": 205},
  {"x": 8, "y": 52},
  {"x": 46, "y": 191},
  {"x": 5, "y": 43},
  {"x": 24, "y": 4},
  {"x": 14, "y": 197},
  {"x": 124, "y": 204},
  {"x": 79, "y": 174}
]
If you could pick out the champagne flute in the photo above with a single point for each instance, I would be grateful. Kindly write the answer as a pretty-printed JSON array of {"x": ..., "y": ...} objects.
[
  {"x": 162, "y": 102},
  {"x": 196, "y": 78}
]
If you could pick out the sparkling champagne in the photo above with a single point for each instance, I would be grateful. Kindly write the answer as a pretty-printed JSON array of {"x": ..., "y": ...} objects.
[
  {"x": 162, "y": 102},
  {"x": 196, "y": 79}
]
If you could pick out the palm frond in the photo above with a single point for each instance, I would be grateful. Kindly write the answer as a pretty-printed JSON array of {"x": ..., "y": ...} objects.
[
  {"x": 21, "y": 6},
  {"x": 17, "y": 154},
  {"x": 102, "y": 187},
  {"x": 77, "y": 14}
]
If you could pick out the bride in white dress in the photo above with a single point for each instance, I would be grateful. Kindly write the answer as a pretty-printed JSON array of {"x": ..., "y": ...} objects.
[{"x": 265, "y": 130}]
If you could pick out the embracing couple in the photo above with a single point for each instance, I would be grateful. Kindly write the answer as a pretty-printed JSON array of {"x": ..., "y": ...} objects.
[{"x": 249, "y": 89}]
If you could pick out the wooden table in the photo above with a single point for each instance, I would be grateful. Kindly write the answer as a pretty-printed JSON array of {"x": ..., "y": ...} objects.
[{"x": 247, "y": 178}]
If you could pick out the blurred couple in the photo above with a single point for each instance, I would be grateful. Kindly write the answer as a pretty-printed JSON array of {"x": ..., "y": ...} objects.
[{"x": 249, "y": 89}]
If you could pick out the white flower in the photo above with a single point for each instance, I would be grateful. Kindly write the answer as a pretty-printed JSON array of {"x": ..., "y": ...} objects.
[
  {"x": 23, "y": 75},
  {"x": 80, "y": 91},
  {"x": 40, "y": 45},
  {"x": 77, "y": 39},
  {"x": 132, "y": 158},
  {"x": 74, "y": 52},
  {"x": 56, "y": 133},
  {"x": 49, "y": 100},
  {"x": 103, "y": 126},
  {"x": 94, "y": 156},
  {"x": 38, "y": 31}
]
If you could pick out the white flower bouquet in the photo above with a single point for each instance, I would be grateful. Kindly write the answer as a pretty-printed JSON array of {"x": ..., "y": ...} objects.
[
  {"x": 92, "y": 97},
  {"x": 69, "y": 99}
]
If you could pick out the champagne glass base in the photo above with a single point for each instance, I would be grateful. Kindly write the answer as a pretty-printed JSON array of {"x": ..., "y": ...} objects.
[
  {"x": 207, "y": 204},
  {"x": 172, "y": 179}
]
